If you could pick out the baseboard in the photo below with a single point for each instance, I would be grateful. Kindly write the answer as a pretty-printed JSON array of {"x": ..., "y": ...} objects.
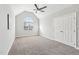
[
  {"x": 77, "y": 48},
  {"x": 26, "y": 36},
  {"x": 43, "y": 35}
]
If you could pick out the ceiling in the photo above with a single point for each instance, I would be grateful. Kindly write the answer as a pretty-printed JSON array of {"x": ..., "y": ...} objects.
[{"x": 51, "y": 8}]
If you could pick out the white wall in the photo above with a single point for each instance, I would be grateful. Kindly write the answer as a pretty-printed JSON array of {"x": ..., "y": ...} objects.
[
  {"x": 47, "y": 24},
  {"x": 20, "y": 24},
  {"x": 47, "y": 27},
  {"x": 6, "y": 36}
]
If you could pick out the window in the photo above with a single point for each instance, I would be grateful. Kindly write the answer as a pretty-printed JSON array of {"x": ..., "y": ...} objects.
[{"x": 28, "y": 23}]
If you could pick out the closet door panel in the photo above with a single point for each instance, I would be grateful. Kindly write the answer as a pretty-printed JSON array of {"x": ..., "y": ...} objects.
[
  {"x": 59, "y": 29},
  {"x": 70, "y": 29},
  {"x": 74, "y": 29}
]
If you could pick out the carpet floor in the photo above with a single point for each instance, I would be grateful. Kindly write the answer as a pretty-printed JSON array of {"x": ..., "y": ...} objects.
[{"x": 37, "y": 45}]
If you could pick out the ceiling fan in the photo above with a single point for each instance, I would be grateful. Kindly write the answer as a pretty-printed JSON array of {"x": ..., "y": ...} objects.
[{"x": 39, "y": 9}]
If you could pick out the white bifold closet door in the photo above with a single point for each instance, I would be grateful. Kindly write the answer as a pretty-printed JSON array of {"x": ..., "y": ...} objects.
[
  {"x": 59, "y": 29},
  {"x": 65, "y": 29}
]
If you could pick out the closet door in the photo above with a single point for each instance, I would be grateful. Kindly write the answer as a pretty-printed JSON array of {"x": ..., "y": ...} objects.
[
  {"x": 65, "y": 29},
  {"x": 74, "y": 29},
  {"x": 59, "y": 29},
  {"x": 70, "y": 29}
]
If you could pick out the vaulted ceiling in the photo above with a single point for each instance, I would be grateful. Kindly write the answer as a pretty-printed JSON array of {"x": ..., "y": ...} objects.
[{"x": 51, "y": 8}]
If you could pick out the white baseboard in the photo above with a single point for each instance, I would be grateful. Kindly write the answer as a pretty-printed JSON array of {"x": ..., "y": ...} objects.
[
  {"x": 43, "y": 35},
  {"x": 26, "y": 36},
  {"x": 77, "y": 48}
]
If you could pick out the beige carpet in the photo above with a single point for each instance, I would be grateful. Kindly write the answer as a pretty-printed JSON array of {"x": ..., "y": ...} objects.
[{"x": 37, "y": 45}]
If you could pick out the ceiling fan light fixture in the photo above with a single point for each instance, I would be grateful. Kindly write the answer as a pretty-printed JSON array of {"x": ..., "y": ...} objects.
[{"x": 39, "y": 9}]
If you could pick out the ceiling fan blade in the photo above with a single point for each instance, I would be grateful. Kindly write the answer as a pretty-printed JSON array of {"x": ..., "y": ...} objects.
[
  {"x": 43, "y": 7},
  {"x": 36, "y": 6},
  {"x": 42, "y": 11}
]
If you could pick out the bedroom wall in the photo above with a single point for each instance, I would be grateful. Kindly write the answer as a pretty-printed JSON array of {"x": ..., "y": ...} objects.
[
  {"x": 47, "y": 22},
  {"x": 6, "y": 36},
  {"x": 20, "y": 25}
]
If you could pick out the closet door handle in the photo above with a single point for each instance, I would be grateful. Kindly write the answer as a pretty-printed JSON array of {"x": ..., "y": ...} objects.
[
  {"x": 74, "y": 30},
  {"x": 61, "y": 31}
]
